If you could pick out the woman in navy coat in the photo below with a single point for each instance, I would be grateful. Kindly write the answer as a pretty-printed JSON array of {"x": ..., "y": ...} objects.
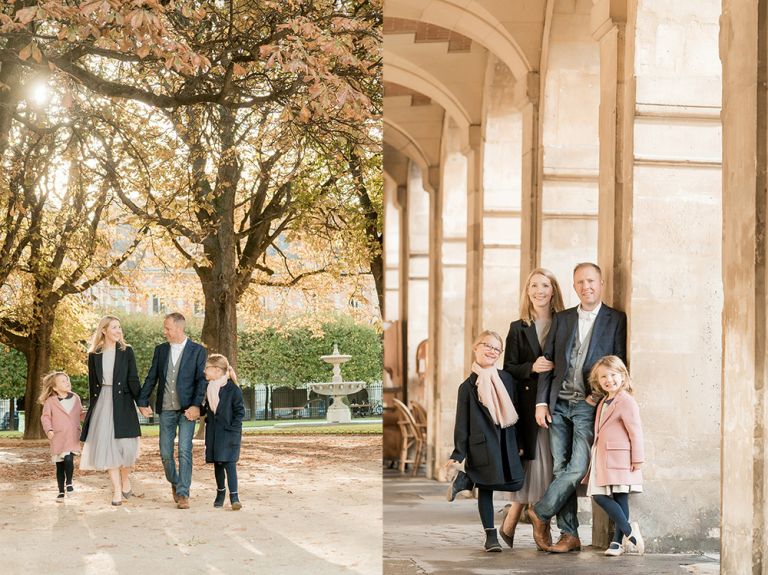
[
  {"x": 485, "y": 434},
  {"x": 224, "y": 412},
  {"x": 524, "y": 360}
]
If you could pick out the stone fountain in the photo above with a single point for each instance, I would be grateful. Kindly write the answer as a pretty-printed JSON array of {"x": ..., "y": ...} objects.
[{"x": 339, "y": 412}]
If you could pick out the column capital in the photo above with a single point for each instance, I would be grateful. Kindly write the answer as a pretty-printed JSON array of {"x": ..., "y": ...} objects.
[
  {"x": 528, "y": 91},
  {"x": 475, "y": 133},
  {"x": 430, "y": 177},
  {"x": 605, "y": 15}
]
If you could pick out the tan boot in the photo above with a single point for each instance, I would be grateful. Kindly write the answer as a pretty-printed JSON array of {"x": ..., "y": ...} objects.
[
  {"x": 541, "y": 533},
  {"x": 566, "y": 543}
]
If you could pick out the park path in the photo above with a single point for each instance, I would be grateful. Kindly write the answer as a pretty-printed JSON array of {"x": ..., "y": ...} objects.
[{"x": 311, "y": 504}]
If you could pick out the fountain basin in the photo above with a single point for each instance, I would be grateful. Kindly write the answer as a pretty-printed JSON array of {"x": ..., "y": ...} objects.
[{"x": 339, "y": 412}]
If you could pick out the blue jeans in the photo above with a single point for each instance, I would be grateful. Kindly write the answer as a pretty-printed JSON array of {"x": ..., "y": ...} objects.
[
  {"x": 169, "y": 422},
  {"x": 570, "y": 436}
]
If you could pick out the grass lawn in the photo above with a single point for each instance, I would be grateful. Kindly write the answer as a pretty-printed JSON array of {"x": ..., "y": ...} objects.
[{"x": 267, "y": 427}]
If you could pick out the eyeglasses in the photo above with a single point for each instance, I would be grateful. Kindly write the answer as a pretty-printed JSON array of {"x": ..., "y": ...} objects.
[{"x": 488, "y": 346}]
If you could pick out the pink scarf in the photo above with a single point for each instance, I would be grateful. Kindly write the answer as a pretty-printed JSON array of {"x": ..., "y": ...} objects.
[
  {"x": 212, "y": 392},
  {"x": 494, "y": 396}
]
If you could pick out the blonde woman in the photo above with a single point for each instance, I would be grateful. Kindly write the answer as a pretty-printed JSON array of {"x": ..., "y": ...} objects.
[
  {"x": 111, "y": 428},
  {"x": 524, "y": 360}
]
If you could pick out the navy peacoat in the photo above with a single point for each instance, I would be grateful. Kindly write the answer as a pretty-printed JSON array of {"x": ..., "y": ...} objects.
[
  {"x": 522, "y": 350},
  {"x": 478, "y": 439},
  {"x": 190, "y": 381},
  {"x": 125, "y": 391},
  {"x": 224, "y": 429}
]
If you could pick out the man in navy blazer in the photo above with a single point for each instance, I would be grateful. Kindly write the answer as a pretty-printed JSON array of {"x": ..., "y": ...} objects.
[
  {"x": 578, "y": 337},
  {"x": 179, "y": 367}
]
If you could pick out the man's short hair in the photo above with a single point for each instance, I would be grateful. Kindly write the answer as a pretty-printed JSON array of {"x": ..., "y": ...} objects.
[
  {"x": 177, "y": 318},
  {"x": 588, "y": 265}
]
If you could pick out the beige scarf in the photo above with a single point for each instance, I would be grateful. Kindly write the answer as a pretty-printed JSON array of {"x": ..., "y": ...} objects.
[
  {"x": 494, "y": 396},
  {"x": 212, "y": 392}
]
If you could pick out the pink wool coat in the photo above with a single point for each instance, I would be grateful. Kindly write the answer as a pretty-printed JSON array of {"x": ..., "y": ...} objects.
[
  {"x": 618, "y": 442},
  {"x": 65, "y": 426}
]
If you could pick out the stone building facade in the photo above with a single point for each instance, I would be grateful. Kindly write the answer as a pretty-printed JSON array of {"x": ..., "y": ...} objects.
[{"x": 632, "y": 133}]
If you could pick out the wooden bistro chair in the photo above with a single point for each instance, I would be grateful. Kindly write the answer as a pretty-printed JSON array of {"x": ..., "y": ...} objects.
[
  {"x": 411, "y": 437},
  {"x": 420, "y": 415}
]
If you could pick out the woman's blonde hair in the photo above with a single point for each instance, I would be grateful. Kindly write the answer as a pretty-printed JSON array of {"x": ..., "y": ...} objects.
[
  {"x": 97, "y": 340},
  {"x": 492, "y": 333},
  {"x": 555, "y": 304},
  {"x": 49, "y": 380},
  {"x": 218, "y": 360},
  {"x": 612, "y": 363}
]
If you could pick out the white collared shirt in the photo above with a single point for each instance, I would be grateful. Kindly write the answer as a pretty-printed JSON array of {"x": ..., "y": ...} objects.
[
  {"x": 177, "y": 349},
  {"x": 586, "y": 320}
]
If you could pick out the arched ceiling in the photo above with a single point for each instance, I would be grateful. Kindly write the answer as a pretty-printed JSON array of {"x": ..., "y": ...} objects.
[{"x": 439, "y": 51}]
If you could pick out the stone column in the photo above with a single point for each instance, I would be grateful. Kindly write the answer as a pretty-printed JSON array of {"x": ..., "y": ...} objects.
[
  {"x": 569, "y": 110},
  {"x": 417, "y": 276},
  {"x": 530, "y": 197},
  {"x": 609, "y": 28},
  {"x": 448, "y": 241},
  {"x": 743, "y": 48},
  {"x": 502, "y": 189},
  {"x": 391, "y": 311},
  {"x": 474, "y": 290},
  {"x": 660, "y": 246}
]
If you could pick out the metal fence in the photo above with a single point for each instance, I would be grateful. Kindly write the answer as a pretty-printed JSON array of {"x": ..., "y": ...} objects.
[{"x": 268, "y": 402}]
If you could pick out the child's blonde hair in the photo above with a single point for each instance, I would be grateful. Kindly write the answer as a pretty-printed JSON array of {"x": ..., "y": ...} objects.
[
  {"x": 493, "y": 334},
  {"x": 612, "y": 363},
  {"x": 218, "y": 360},
  {"x": 49, "y": 380}
]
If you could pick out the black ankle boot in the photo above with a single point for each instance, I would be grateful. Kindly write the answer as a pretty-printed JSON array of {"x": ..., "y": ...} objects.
[
  {"x": 492, "y": 541},
  {"x": 220, "y": 494},
  {"x": 235, "y": 501}
]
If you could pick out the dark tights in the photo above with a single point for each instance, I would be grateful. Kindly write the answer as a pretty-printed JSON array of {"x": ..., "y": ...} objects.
[
  {"x": 64, "y": 468},
  {"x": 617, "y": 508},
  {"x": 485, "y": 506},
  {"x": 230, "y": 467}
]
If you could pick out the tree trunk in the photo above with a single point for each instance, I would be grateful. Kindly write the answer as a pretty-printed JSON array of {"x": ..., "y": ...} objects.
[
  {"x": 38, "y": 355},
  {"x": 377, "y": 269}
]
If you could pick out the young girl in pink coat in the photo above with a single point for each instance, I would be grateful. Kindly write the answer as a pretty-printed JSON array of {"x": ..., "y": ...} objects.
[
  {"x": 62, "y": 414},
  {"x": 617, "y": 451}
]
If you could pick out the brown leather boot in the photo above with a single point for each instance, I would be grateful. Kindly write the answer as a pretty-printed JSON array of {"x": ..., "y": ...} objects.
[
  {"x": 541, "y": 533},
  {"x": 173, "y": 492},
  {"x": 566, "y": 543},
  {"x": 183, "y": 502}
]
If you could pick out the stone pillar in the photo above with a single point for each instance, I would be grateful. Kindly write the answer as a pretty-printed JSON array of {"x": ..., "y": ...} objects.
[
  {"x": 391, "y": 311},
  {"x": 617, "y": 101},
  {"x": 418, "y": 276},
  {"x": 530, "y": 196},
  {"x": 743, "y": 48},
  {"x": 609, "y": 29},
  {"x": 570, "y": 101},
  {"x": 502, "y": 189},
  {"x": 474, "y": 278},
  {"x": 660, "y": 235},
  {"x": 448, "y": 241}
]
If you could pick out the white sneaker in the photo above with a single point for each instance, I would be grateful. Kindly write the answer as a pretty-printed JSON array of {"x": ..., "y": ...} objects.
[
  {"x": 614, "y": 549},
  {"x": 640, "y": 545}
]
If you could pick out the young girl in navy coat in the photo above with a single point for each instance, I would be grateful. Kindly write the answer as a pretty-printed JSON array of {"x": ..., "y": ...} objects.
[
  {"x": 224, "y": 412},
  {"x": 485, "y": 433}
]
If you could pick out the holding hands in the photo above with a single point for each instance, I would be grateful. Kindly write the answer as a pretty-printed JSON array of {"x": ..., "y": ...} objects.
[
  {"x": 146, "y": 411},
  {"x": 541, "y": 365}
]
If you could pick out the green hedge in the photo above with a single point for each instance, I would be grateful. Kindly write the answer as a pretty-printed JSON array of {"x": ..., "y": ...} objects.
[
  {"x": 269, "y": 357},
  {"x": 293, "y": 358}
]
